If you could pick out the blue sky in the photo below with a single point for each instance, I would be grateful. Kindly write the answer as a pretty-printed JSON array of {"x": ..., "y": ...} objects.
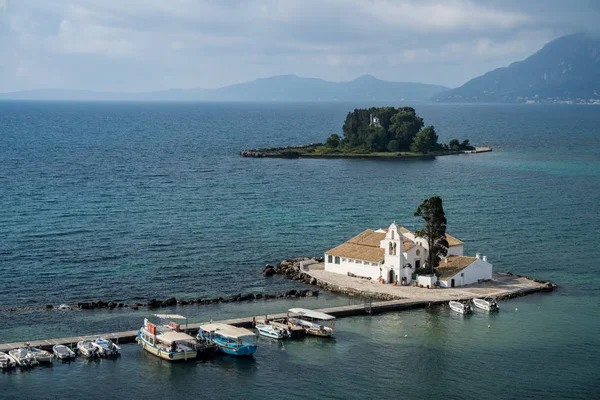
[{"x": 143, "y": 45}]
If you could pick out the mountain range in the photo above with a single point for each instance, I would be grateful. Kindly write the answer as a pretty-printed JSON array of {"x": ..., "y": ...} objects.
[
  {"x": 566, "y": 69},
  {"x": 276, "y": 88}
]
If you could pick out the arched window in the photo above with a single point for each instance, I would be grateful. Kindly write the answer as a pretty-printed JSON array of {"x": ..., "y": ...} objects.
[
  {"x": 394, "y": 248},
  {"x": 391, "y": 249},
  {"x": 392, "y": 235}
]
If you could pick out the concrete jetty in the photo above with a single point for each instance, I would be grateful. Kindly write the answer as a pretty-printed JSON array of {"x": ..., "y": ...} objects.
[{"x": 394, "y": 298}]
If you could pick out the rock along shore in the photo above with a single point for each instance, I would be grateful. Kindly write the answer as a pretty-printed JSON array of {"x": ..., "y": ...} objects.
[{"x": 171, "y": 302}]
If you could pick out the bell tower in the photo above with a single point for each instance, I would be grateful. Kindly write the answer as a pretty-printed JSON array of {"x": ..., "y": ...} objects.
[{"x": 392, "y": 246}]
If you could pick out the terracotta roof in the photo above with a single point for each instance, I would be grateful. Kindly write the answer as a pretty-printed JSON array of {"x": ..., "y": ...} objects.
[
  {"x": 359, "y": 252},
  {"x": 364, "y": 246},
  {"x": 368, "y": 238},
  {"x": 452, "y": 241},
  {"x": 453, "y": 265}
]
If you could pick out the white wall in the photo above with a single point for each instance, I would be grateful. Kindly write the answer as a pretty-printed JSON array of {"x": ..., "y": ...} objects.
[
  {"x": 357, "y": 268},
  {"x": 478, "y": 270},
  {"x": 427, "y": 280},
  {"x": 456, "y": 250}
]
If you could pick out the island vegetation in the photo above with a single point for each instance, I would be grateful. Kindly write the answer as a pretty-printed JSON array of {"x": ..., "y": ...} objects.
[{"x": 375, "y": 132}]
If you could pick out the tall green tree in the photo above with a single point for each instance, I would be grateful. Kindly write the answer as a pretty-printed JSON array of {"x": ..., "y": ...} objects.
[
  {"x": 425, "y": 141},
  {"x": 333, "y": 140},
  {"x": 434, "y": 230}
]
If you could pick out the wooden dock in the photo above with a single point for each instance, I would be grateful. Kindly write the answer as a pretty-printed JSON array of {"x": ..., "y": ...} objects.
[
  {"x": 246, "y": 322},
  {"x": 339, "y": 312}
]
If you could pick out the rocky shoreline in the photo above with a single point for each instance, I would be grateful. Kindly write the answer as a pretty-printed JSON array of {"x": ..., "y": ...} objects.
[
  {"x": 296, "y": 152},
  {"x": 171, "y": 302}
]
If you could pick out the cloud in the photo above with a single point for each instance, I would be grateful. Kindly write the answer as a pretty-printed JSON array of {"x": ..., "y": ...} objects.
[{"x": 156, "y": 44}]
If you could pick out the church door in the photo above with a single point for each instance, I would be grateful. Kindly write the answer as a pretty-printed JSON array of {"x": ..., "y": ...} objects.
[
  {"x": 392, "y": 276},
  {"x": 452, "y": 282},
  {"x": 417, "y": 264}
]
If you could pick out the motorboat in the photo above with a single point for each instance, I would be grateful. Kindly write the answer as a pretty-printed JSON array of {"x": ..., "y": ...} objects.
[
  {"x": 462, "y": 308},
  {"x": 41, "y": 356},
  {"x": 62, "y": 352},
  {"x": 229, "y": 339},
  {"x": 87, "y": 348},
  {"x": 312, "y": 321},
  {"x": 106, "y": 348},
  {"x": 166, "y": 341},
  {"x": 23, "y": 357},
  {"x": 272, "y": 331},
  {"x": 7, "y": 361},
  {"x": 488, "y": 303}
]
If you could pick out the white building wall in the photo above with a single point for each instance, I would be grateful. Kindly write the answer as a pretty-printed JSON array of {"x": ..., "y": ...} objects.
[
  {"x": 358, "y": 267},
  {"x": 456, "y": 250},
  {"x": 478, "y": 270}
]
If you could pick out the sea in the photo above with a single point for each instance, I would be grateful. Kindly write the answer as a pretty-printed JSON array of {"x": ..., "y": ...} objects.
[{"x": 126, "y": 202}]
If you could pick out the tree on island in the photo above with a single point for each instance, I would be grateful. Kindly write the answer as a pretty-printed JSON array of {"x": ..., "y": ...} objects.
[
  {"x": 434, "y": 230},
  {"x": 425, "y": 141},
  {"x": 333, "y": 141}
]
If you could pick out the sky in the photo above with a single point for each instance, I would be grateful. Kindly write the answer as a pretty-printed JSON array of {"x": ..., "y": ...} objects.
[{"x": 146, "y": 45}]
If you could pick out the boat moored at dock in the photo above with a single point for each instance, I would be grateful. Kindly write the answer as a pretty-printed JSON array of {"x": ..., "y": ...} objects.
[
  {"x": 87, "y": 348},
  {"x": 62, "y": 352},
  {"x": 166, "y": 341},
  {"x": 41, "y": 356},
  {"x": 7, "y": 361},
  {"x": 272, "y": 331},
  {"x": 312, "y": 321},
  {"x": 228, "y": 338},
  {"x": 488, "y": 304},
  {"x": 461, "y": 308},
  {"x": 106, "y": 348},
  {"x": 23, "y": 357}
]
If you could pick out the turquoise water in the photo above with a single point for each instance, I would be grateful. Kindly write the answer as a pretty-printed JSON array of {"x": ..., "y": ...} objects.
[{"x": 127, "y": 202}]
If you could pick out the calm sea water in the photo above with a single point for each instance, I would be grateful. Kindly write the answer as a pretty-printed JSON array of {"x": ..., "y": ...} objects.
[{"x": 127, "y": 202}]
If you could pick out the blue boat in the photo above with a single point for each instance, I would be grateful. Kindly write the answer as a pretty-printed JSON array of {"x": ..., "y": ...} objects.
[{"x": 229, "y": 339}]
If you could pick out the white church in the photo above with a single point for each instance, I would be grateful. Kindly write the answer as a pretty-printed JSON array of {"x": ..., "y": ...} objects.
[{"x": 391, "y": 255}]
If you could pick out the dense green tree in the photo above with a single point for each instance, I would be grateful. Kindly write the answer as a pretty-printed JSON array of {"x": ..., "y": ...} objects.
[
  {"x": 333, "y": 140},
  {"x": 393, "y": 145},
  {"x": 405, "y": 124},
  {"x": 434, "y": 230},
  {"x": 454, "y": 144},
  {"x": 425, "y": 141},
  {"x": 465, "y": 145}
]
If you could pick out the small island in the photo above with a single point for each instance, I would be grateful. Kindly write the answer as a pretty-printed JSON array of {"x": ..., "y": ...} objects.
[{"x": 376, "y": 132}]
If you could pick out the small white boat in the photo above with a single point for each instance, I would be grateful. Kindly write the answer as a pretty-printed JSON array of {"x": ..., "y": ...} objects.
[
  {"x": 22, "y": 357},
  {"x": 462, "y": 308},
  {"x": 64, "y": 307},
  {"x": 271, "y": 331},
  {"x": 87, "y": 348},
  {"x": 41, "y": 356},
  {"x": 313, "y": 322},
  {"x": 106, "y": 347},
  {"x": 7, "y": 361},
  {"x": 63, "y": 352},
  {"x": 488, "y": 303}
]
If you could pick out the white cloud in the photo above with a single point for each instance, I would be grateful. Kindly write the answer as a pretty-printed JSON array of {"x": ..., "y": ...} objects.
[{"x": 204, "y": 43}]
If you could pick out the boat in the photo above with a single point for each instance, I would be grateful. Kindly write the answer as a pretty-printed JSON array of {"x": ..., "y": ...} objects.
[
  {"x": 228, "y": 338},
  {"x": 272, "y": 331},
  {"x": 7, "y": 361},
  {"x": 87, "y": 348},
  {"x": 22, "y": 357},
  {"x": 166, "y": 341},
  {"x": 311, "y": 321},
  {"x": 488, "y": 303},
  {"x": 63, "y": 352},
  {"x": 64, "y": 307},
  {"x": 106, "y": 348},
  {"x": 462, "y": 308},
  {"x": 41, "y": 356}
]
